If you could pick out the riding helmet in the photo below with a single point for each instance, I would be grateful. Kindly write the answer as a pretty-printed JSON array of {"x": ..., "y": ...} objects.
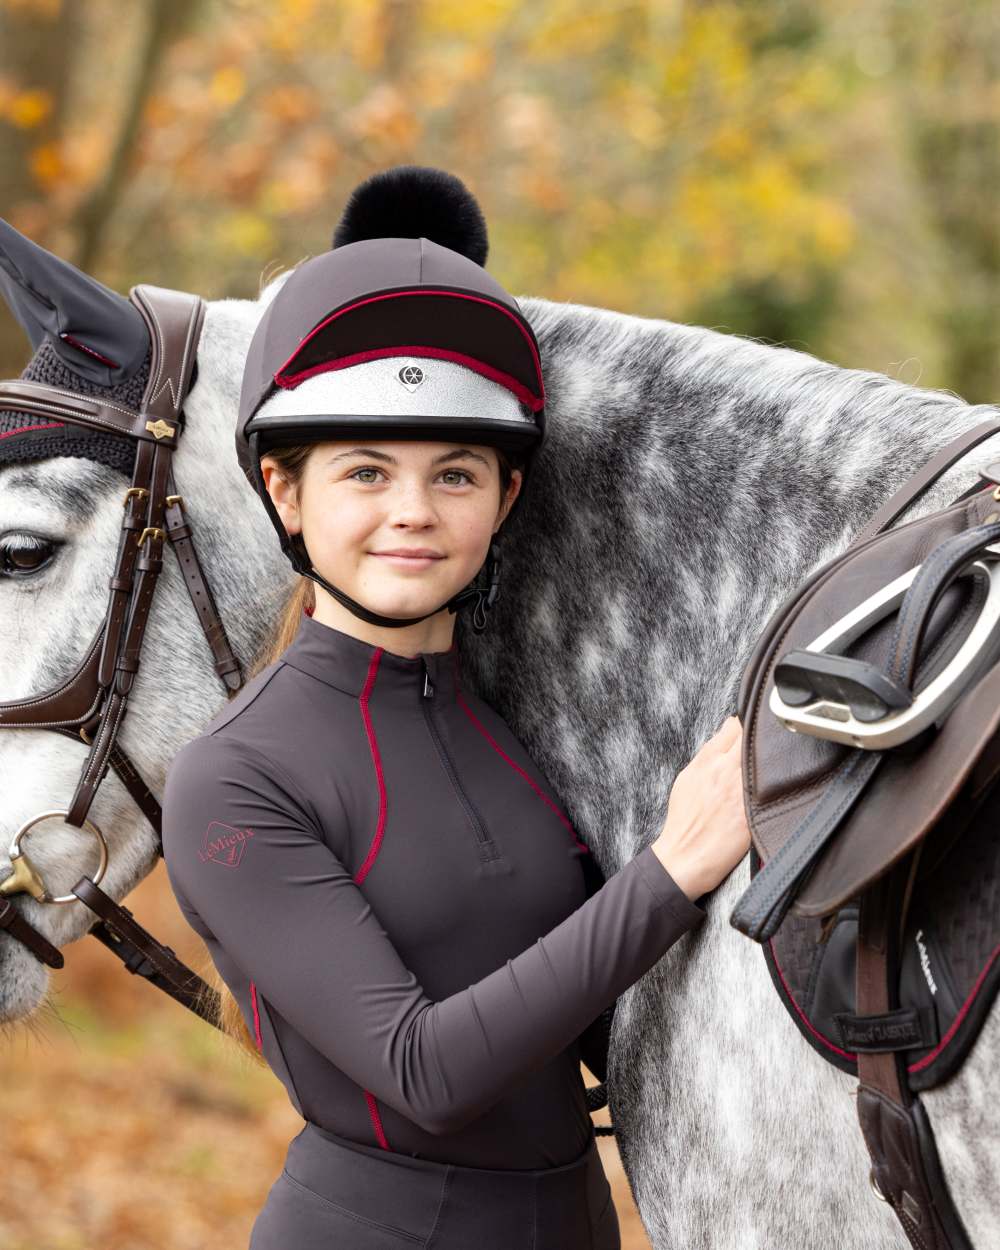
[{"x": 397, "y": 332}]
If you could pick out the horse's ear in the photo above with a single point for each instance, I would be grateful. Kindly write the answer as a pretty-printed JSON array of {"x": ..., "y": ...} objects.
[{"x": 98, "y": 333}]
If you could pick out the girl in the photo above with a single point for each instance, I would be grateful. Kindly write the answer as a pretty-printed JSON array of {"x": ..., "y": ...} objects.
[{"x": 381, "y": 873}]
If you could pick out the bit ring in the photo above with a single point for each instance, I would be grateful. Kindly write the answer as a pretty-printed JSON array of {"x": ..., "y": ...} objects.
[{"x": 25, "y": 878}]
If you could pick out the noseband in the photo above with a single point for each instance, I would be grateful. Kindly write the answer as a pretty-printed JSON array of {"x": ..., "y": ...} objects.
[{"x": 90, "y": 705}]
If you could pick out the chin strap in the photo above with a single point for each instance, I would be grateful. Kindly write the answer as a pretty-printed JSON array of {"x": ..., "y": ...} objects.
[{"x": 483, "y": 597}]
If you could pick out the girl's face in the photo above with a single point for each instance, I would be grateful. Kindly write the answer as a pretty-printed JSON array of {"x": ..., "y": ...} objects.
[{"x": 360, "y": 498}]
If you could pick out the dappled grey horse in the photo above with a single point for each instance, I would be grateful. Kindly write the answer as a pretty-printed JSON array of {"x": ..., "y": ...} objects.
[{"x": 689, "y": 481}]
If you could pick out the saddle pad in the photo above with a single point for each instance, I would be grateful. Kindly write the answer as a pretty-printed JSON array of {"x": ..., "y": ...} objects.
[{"x": 949, "y": 957}]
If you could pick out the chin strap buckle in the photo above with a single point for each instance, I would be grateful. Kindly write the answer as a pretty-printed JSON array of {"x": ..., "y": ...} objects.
[{"x": 485, "y": 596}]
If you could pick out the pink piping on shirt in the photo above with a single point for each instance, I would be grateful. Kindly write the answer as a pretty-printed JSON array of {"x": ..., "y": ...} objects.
[
  {"x": 373, "y": 744},
  {"x": 376, "y": 1120},
  {"x": 500, "y": 751},
  {"x": 256, "y": 1016}
]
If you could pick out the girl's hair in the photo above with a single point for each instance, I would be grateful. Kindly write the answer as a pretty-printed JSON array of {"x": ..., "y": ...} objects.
[{"x": 291, "y": 460}]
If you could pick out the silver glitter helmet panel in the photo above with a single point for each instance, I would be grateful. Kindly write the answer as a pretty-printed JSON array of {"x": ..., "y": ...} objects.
[{"x": 404, "y": 396}]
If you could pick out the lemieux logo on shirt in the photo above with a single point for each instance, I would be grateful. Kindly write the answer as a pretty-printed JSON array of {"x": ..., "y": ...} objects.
[{"x": 224, "y": 845}]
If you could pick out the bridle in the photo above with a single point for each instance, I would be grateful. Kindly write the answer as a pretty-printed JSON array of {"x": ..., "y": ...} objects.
[{"x": 91, "y": 704}]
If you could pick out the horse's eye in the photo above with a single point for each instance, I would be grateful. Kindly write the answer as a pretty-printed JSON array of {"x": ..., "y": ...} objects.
[{"x": 22, "y": 554}]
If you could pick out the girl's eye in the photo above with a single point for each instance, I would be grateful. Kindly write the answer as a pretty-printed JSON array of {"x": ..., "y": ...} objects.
[{"x": 371, "y": 469}]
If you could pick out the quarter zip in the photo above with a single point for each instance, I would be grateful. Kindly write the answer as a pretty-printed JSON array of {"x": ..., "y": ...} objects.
[{"x": 488, "y": 849}]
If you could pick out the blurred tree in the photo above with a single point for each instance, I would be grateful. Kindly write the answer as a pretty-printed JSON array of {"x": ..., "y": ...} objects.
[
  {"x": 37, "y": 45},
  {"x": 42, "y": 59},
  {"x": 164, "y": 20},
  {"x": 818, "y": 174},
  {"x": 949, "y": 84}
]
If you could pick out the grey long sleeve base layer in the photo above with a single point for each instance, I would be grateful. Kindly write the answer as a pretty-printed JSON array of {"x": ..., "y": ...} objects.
[{"x": 383, "y": 879}]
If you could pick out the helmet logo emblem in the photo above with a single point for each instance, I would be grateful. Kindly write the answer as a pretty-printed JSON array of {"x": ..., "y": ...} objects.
[{"x": 411, "y": 376}]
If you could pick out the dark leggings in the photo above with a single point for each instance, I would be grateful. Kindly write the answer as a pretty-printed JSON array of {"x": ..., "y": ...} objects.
[{"x": 335, "y": 1194}]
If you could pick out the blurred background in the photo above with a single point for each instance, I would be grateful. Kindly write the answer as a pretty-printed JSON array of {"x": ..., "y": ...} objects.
[{"x": 824, "y": 175}]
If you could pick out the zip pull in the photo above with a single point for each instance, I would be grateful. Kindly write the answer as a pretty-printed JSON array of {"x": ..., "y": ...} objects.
[{"x": 428, "y": 687}]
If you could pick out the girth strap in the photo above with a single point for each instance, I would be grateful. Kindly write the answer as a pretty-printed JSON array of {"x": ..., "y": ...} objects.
[{"x": 906, "y": 1170}]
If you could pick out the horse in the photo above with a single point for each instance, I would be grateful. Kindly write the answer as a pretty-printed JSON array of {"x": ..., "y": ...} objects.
[{"x": 688, "y": 481}]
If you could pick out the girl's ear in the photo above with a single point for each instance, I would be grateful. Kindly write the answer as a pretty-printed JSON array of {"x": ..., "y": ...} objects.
[
  {"x": 516, "y": 478},
  {"x": 284, "y": 495}
]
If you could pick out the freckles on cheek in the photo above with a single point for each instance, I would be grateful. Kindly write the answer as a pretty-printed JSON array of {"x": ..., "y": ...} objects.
[{"x": 342, "y": 527}]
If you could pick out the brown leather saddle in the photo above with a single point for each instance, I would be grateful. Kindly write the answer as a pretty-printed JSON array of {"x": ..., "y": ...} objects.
[{"x": 871, "y": 765}]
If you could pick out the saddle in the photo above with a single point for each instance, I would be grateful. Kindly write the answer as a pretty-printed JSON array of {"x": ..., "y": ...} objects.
[{"x": 871, "y": 765}]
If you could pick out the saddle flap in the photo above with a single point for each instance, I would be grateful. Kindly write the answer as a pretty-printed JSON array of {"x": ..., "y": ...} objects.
[
  {"x": 902, "y": 804},
  {"x": 786, "y": 773}
]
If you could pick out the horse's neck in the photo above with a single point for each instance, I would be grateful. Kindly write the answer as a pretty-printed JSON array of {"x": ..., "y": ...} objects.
[
  {"x": 757, "y": 446},
  {"x": 831, "y": 463},
  {"x": 803, "y": 493}
]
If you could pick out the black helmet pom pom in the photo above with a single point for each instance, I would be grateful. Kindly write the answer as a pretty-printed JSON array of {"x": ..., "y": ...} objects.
[{"x": 412, "y": 202}]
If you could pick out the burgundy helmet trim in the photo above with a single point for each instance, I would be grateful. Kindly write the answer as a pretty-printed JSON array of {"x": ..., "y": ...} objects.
[{"x": 338, "y": 343}]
